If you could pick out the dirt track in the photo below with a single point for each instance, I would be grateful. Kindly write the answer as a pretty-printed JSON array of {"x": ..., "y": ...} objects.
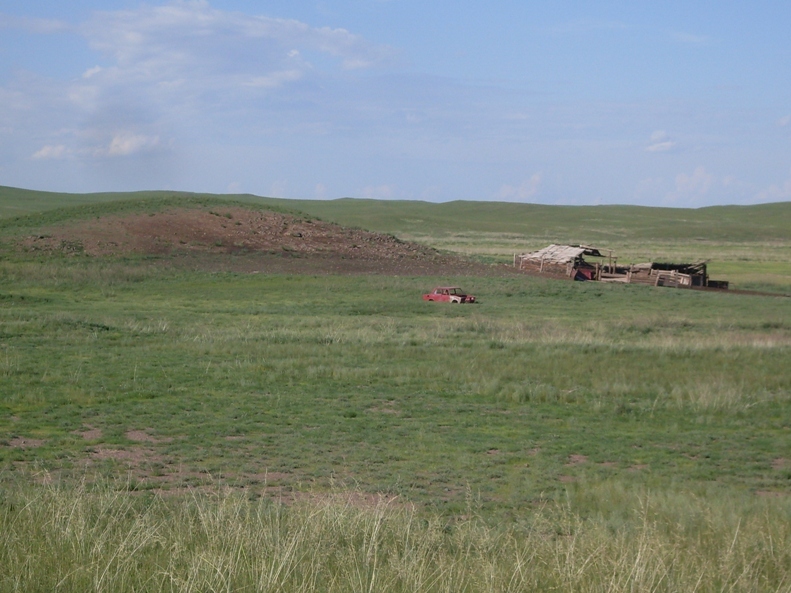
[{"x": 259, "y": 241}]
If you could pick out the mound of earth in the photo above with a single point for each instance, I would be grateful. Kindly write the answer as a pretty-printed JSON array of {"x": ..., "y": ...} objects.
[{"x": 264, "y": 241}]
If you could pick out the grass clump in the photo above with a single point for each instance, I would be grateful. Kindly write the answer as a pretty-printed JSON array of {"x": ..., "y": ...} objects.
[{"x": 103, "y": 539}]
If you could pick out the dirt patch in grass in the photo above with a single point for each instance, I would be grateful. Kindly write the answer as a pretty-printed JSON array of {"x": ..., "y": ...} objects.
[
  {"x": 387, "y": 407},
  {"x": 133, "y": 456},
  {"x": 577, "y": 459},
  {"x": 141, "y": 436},
  {"x": 90, "y": 433},
  {"x": 263, "y": 241},
  {"x": 25, "y": 443}
]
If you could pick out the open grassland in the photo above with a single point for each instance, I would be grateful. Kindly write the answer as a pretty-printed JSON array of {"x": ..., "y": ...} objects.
[
  {"x": 314, "y": 379},
  {"x": 750, "y": 246},
  {"x": 172, "y": 429},
  {"x": 362, "y": 454}
]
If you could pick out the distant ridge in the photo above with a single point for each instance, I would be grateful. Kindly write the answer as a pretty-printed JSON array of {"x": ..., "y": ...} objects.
[{"x": 761, "y": 222}]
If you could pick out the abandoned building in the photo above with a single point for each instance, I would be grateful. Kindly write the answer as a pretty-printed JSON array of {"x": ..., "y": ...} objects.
[{"x": 569, "y": 261}]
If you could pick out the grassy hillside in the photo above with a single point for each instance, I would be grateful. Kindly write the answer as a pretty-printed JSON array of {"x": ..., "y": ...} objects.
[
  {"x": 748, "y": 245},
  {"x": 34, "y": 206},
  {"x": 595, "y": 224},
  {"x": 591, "y": 223}
]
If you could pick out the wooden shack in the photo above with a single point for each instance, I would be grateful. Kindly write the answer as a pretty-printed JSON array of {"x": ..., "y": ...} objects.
[
  {"x": 665, "y": 274},
  {"x": 566, "y": 260},
  {"x": 569, "y": 261}
]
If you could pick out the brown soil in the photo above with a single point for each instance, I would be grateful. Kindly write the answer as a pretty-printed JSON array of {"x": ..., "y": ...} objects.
[
  {"x": 133, "y": 456},
  {"x": 141, "y": 436},
  {"x": 90, "y": 433},
  {"x": 25, "y": 443},
  {"x": 259, "y": 241}
]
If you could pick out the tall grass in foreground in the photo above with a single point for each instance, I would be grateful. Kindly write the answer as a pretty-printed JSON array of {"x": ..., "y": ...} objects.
[{"x": 54, "y": 539}]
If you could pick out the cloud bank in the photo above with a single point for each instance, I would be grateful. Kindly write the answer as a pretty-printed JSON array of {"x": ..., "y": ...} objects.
[
  {"x": 185, "y": 95},
  {"x": 174, "y": 67},
  {"x": 660, "y": 142}
]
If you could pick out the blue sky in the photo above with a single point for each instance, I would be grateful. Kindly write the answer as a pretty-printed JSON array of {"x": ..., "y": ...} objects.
[{"x": 682, "y": 104}]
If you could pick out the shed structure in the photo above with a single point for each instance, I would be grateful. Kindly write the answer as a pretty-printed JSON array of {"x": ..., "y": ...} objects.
[{"x": 569, "y": 261}]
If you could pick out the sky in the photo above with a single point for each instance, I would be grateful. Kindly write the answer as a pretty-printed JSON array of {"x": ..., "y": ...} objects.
[{"x": 672, "y": 103}]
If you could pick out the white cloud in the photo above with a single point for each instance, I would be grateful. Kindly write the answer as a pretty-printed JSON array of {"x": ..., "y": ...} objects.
[
  {"x": 660, "y": 142},
  {"x": 126, "y": 143},
  {"x": 84, "y": 97},
  {"x": 257, "y": 99},
  {"x": 784, "y": 121},
  {"x": 185, "y": 60},
  {"x": 159, "y": 42},
  {"x": 172, "y": 66},
  {"x": 690, "y": 188},
  {"x": 320, "y": 191},
  {"x": 51, "y": 152},
  {"x": 525, "y": 191},
  {"x": 91, "y": 72},
  {"x": 660, "y": 146}
]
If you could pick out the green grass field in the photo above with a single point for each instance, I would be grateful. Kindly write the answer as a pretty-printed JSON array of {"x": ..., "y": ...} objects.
[
  {"x": 750, "y": 246},
  {"x": 172, "y": 429}
]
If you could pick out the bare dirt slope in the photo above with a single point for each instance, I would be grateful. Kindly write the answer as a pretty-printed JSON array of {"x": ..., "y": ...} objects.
[{"x": 263, "y": 241}]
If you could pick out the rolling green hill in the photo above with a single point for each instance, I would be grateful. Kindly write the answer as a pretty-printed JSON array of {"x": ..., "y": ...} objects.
[
  {"x": 748, "y": 245},
  {"x": 594, "y": 224},
  {"x": 16, "y": 202}
]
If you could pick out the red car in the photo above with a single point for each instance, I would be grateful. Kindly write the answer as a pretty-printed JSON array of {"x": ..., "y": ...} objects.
[{"x": 449, "y": 294}]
